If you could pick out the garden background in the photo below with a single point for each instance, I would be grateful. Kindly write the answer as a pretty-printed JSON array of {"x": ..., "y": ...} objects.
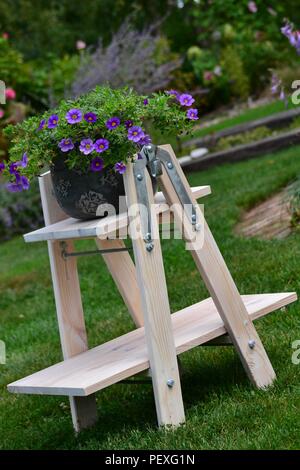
[{"x": 233, "y": 58}]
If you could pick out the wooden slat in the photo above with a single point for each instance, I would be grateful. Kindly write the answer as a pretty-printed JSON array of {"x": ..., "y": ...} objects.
[
  {"x": 69, "y": 309},
  {"x": 156, "y": 309},
  {"x": 75, "y": 229},
  {"x": 127, "y": 355},
  {"x": 220, "y": 284},
  {"x": 122, "y": 269}
]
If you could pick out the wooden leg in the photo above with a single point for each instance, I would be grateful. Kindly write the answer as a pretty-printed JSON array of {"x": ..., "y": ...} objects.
[
  {"x": 69, "y": 309},
  {"x": 157, "y": 317},
  {"x": 123, "y": 271},
  {"x": 71, "y": 325},
  {"x": 223, "y": 290}
]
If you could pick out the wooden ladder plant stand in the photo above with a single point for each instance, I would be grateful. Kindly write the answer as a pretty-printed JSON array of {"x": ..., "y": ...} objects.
[{"x": 159, "y": 336}]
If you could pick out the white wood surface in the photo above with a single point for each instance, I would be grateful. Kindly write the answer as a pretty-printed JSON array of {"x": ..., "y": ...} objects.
[
  {"x": 75, "y": 229},
  {"x": 156, "y": 310},
  {"x": 69, "y": 309},
  {"x": 127, "y": 355},
  {"x": 123, "y": 271},
  {"x": 222, "y": 288}
]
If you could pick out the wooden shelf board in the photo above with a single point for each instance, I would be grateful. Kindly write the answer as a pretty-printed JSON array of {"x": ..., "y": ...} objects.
[
  {"x": 75, "y": 229},
  {"x": 127, "y": 355}
]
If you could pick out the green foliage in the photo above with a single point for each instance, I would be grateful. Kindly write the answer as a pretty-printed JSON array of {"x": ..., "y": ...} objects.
[
  {"x": 243, "y": 138},
  {"x": 233, "y": 68},
  {"x": 18, "y": 212},
  {"x": 42, "y": 145}
]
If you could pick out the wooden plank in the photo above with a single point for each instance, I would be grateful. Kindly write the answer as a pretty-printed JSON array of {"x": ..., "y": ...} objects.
[
  {"x": 221, "y": 286},
  {"x": 123, "y": 271},
  {"x": 75, "y": 229},
  {"x": 68, "y": 304},
  {"x": 156, "y": 310},
  {"x": 127, "y": 355}
]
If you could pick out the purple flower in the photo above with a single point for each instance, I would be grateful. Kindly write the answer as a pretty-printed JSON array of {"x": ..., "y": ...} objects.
[
  {"x": 90, "y": 117},
  {"x": 53, "y": 121},
  {"x": 41, "y": 125},
  {"x": 173, "y": 93},
  {"x": 112, "y": 123},
  {"x": 135, "y": 133},
  {"x": 192, "y": 114},
  {"x": 101, "y": 145},
  {"x": 20, "y": 184},
  {"x": 120, "y": 168},
  {"x": 24, "y": 162},
  {"x": 186, "y": 100},
  {"x": 146, "y": 140},
  {"x": 73, "y": 116},
  {"x": 13, "y": 168},
  {"x": 97, "y": 164},
  {"x": 128, "y": 123},
  {"x": 287, "y": 30},
  {"x": 146, "y": 101},
  {"x": 2, "y": 167},
  {"x": 65, "y": 145},
  {"x": 86, "y": 146}
]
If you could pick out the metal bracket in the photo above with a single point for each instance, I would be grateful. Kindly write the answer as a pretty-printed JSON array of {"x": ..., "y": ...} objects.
[
  {"x": 156, "y": 157},
  {"x": 139, "y": 168},
  {"x": 65, "y": 254}
]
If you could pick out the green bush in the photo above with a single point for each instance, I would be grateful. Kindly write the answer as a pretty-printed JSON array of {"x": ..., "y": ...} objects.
[{"x": 19, "y": 212}]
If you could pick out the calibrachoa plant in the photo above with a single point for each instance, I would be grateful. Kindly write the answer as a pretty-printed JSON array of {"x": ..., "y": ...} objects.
[{"x": 102, "y": 129}]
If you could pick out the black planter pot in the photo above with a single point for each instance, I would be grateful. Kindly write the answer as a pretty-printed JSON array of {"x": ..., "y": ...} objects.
[{"x": 79, "y": 194}]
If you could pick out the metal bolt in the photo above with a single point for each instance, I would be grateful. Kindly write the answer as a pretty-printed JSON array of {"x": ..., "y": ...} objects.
[
  {"x": 149, "y": 247},
  {"x": 148, "y": 237},
  {"x": 194, "y": 217},
  {"x": 139, "y": 176},
  {"x": 251, "y": 343},
  {"x": 198, "y": 227},
  {"x": 170, "y": 165},
  {"x": 170, "y": 383}
]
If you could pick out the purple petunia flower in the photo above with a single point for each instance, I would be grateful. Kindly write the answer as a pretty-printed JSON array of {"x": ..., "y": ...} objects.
[
  {"x": 86, "y": 146},
  {"x": 20, "y": 184},
  {"x": 65, "y": 145},
  {"x": 252, "y": 7},
  {"x": 174, "y": 93},
  {"x": 13, "y": 168},
  {"x": 2, "y": 167},
  {"x": 135, "y": 133},
  {"x": 73, "y": 116},
  {"x": 287, "y": 30},
  {"x": 128, "y": 123},
  {"x": 97, "y": 164},
  {"x": 192, "y": 114},
  {"x": 90, "y": 117},
  {"x": 146, "y": 140},
  {"x": 101, "y": 145},
  {"x": 53, "y": 121},
  {"x": 146, "y": 101},
  {"x": 41, "y": 124},
  {"x": 186, "y": 99},
  {"x": 120, "y": 168},
  {"x": 112, "y": 123}
]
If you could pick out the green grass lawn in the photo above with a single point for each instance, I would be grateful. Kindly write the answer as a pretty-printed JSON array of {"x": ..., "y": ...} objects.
[{"x": 223, "y": 410}]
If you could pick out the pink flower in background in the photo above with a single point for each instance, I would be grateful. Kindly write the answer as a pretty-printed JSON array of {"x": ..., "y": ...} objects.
[
  {"x": 208, "y": 75},
  {"x": 5, "y": 35},
  {"x": 80, "y": 45},
  {"x": 252, "y": 7},
  {"x": 10, "y": 94},
  {"x": 1, "y": 113}
]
